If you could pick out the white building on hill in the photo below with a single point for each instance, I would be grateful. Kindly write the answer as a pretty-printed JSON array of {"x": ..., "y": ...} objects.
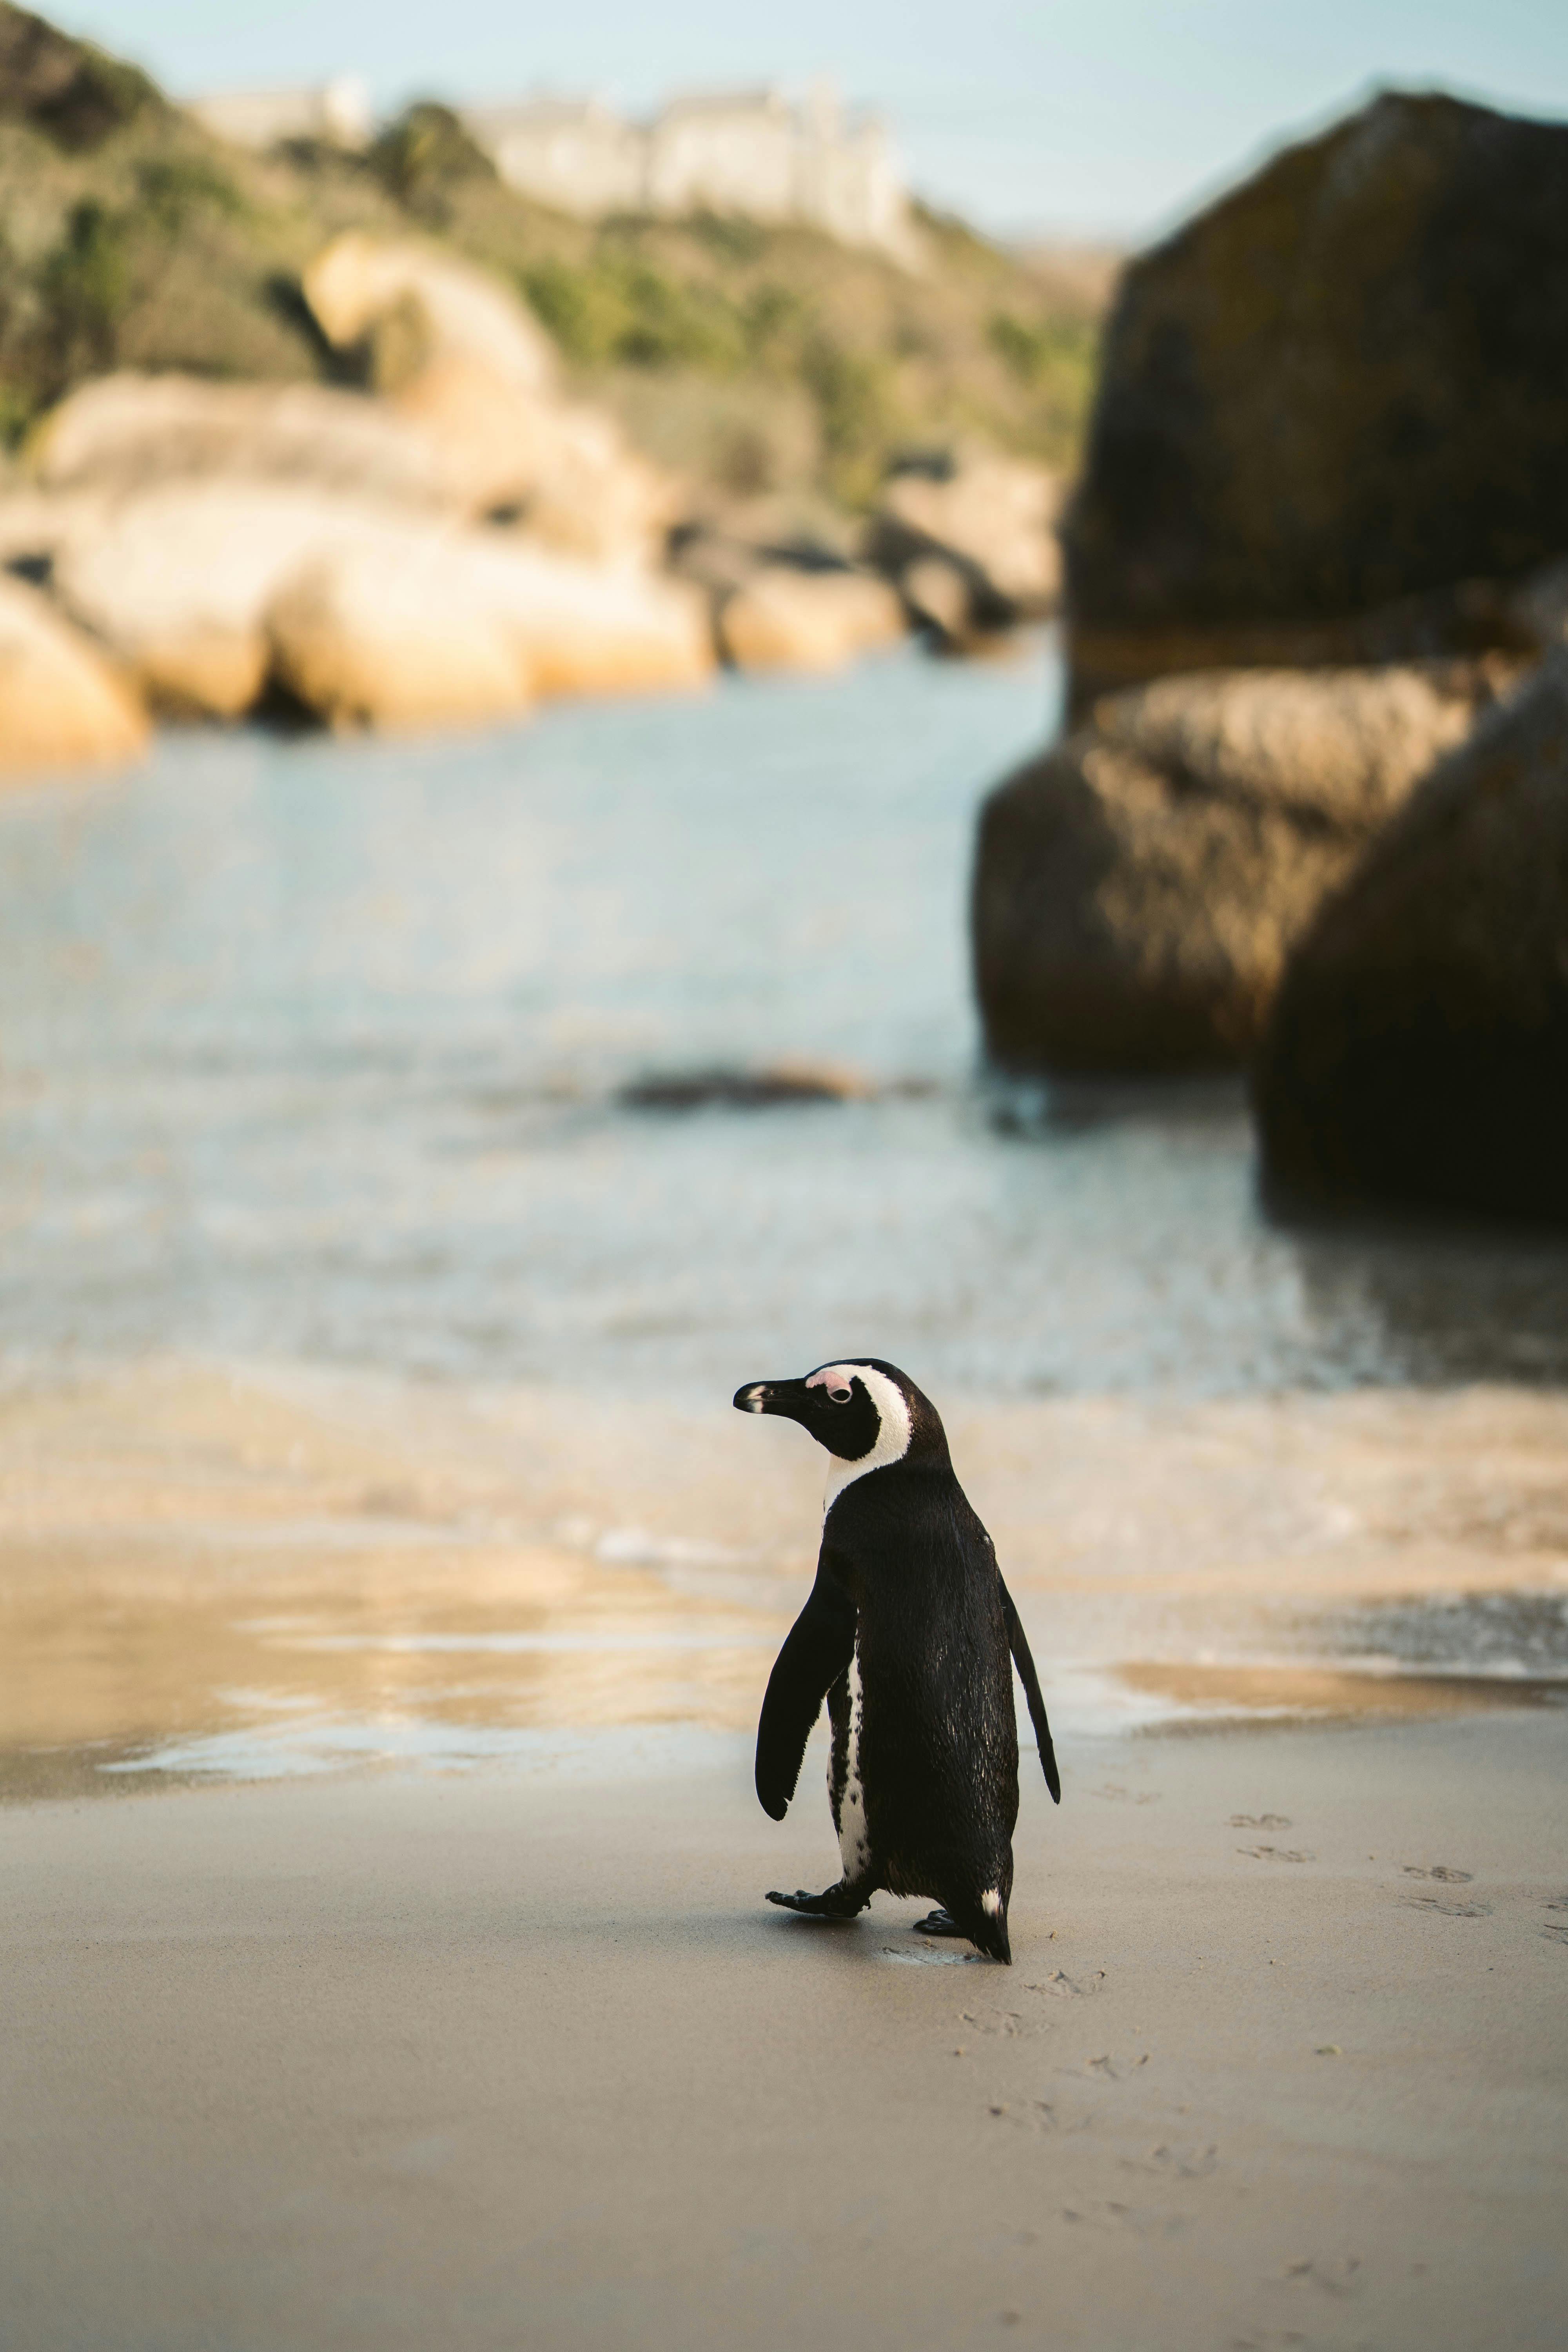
[
  {"x": 755, "y": 153},
  {"x": 338, "y": 112}
]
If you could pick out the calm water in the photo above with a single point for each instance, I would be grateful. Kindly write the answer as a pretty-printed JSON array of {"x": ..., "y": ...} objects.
[{"x": 315, "y": 1050}]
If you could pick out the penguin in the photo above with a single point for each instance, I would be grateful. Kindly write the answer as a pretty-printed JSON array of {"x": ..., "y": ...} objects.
[{"x": 907, "y": 1632}]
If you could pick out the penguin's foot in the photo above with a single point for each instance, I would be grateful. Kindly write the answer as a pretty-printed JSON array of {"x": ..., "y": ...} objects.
[
  {"x": 840, "y": 1902},
  {"x": 988, "y": 1933},
  {"x": 939, "y": 1923}
]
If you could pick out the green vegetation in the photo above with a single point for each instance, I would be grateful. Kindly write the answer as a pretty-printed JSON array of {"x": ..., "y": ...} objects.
[{"x": 759, "y": 360}]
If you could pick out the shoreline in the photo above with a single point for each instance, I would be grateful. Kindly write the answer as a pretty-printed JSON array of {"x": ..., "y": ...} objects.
[{"x": 210, "y": 1570}]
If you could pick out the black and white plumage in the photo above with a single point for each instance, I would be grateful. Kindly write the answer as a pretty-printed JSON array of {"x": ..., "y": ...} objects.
[{"x": 908, "y": 1632}]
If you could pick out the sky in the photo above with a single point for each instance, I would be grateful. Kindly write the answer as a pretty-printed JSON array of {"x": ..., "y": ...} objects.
[{"x": 1082, "y": 118}]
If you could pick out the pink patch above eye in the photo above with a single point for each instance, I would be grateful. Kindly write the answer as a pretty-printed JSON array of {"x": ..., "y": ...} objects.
[{"x": 840, "y": 1395}]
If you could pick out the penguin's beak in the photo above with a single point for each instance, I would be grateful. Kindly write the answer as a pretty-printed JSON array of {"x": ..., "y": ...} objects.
[{"x": 786, "y": 1397}]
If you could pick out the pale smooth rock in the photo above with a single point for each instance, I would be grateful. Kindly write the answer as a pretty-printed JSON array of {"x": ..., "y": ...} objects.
[
  {"x": 565, "y": 470},
  {"x": 178, "y": 581},
  {"x": 393, "y": 632},
  {"x": 998, "y": 512},
  {"x": 783, "y": 619},
  {"x": 452, "y": 309},
  {"x": 400, "y": 625},
  {"x": 61, "y": 704},
  {"x": 129, "y": 432}
]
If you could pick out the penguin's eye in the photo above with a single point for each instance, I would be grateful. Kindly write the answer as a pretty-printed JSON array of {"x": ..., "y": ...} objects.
[{"x": 839, "y": 1396}]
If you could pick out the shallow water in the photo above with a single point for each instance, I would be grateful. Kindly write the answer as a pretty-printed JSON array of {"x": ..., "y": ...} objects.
[{"x": 313, "y": 1051}]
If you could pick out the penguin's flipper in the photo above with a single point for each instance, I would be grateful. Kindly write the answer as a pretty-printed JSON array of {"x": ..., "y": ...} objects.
[
  {"x": 1019, "y": 1646},
  {"x": 820, "y": 1646}
]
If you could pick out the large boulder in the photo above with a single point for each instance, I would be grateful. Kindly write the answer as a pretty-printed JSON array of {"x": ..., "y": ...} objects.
[
  {"x": 391, "y": 631},
  {"x": 399, "y": 625},
  {"x": 1137, "y": 889},
  {"x": 784, "y": 618},
  {"x": 129, "y": 432},
  {"x": 1331, "y": 407},
  {"x": 1418, "y": 1046},
  {"x": 61, "y": 705},
  {"x": 178, "y": 582}
]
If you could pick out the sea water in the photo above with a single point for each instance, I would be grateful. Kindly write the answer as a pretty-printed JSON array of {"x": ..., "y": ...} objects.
[{"x": 318, "y": 1050}]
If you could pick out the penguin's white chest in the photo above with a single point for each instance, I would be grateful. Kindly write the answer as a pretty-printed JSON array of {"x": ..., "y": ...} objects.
[{"x": 848, "y": 1794}]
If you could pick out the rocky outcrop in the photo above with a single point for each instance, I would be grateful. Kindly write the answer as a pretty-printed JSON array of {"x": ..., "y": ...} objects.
[
  {"x": 1418, "y": 1050},
  {"x": 970, "y": 544},
  {"x": 61, "y": 705},
  {"x": 187, "y": 586},
  {"x": 563, "y": 472},
  {"x": 178, "y": 582},
  {"x": 414, "y": 304},
  {"x": 783, "y": 618},
  {"x": 1330, "y": 405},
  {"x": 464, "y": 362},
  {"x": 129, "y": 433},
  {"x": 1137, "y": 889}
]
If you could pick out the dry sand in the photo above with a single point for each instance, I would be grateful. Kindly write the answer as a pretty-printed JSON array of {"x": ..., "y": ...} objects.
[{"x": 513, "y": 2061}]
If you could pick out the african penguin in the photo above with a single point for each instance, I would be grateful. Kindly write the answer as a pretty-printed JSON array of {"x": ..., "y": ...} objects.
[{"x": 907, "y": 1632}]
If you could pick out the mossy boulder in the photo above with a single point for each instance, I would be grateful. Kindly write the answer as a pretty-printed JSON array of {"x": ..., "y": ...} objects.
[
  {"x": 1418, "y": 1050},
  {"x": 1331, "y": 402}
]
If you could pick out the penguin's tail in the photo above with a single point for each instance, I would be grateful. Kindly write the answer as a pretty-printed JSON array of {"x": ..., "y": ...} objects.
[{"x": 987, "y": 1930}]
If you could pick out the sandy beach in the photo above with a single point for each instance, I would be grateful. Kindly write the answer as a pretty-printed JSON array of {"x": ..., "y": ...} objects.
[
  {"x": 383, "y": 1951},
  {"x": 525, "y": 2060}
]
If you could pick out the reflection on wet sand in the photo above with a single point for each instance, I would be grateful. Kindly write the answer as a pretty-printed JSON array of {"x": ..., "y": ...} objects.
[
  {"x": 209, "y": 1572},
  {"x": 1344, "y": 1694}
]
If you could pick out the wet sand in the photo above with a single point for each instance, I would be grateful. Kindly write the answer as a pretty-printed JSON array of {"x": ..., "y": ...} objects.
[
  {"x": 516, "y": 2059},
  {"x": 208, "y": 1568}
]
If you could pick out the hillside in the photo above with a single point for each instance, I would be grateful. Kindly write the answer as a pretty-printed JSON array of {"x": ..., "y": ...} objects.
[{"x": 756, "y": 362}]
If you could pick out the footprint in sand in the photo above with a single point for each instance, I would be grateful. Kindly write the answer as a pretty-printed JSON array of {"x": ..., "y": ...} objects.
[
  {"x": 1042, "y": 2117},
  {"x": 1105, "y": 2214},
  {"x": 1275, "y": 1853},
  {"x": 1259, "y": 1822},
  {"x": 1115, "y": 2070},
  {"x": 1059, "y": 1986},
  {"x": 1175, "y": 2163},
  {"x": 1440, "y": 1870},
  {"x": 1449, "y": 1909},
  {"x": 1334, "y": 2277},
  {"x": 1113, "y": 1788},
  {"x": 1008, "y": 2022}
]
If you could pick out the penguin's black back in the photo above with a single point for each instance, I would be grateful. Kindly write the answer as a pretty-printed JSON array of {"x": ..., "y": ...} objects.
[{"x": 939, "y": 1741}]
